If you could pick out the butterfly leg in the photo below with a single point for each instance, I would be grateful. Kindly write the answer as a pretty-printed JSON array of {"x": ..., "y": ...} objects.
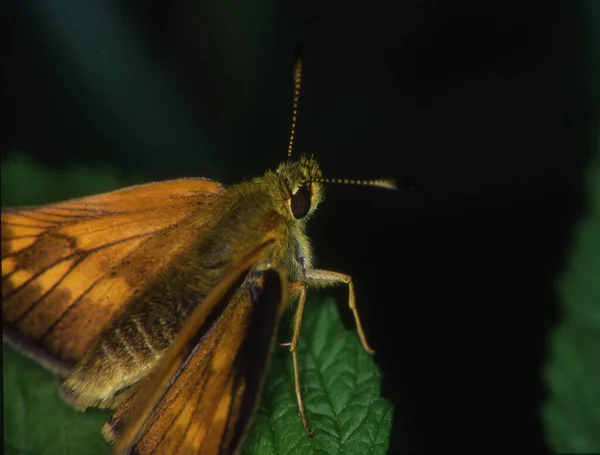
[
  {"x": 298, "y": 287},
  {"x": 328, "y": 278},
  {"x": 294, "y": 293}
]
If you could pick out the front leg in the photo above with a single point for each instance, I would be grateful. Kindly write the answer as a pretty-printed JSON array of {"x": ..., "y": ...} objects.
[
  {"x": 298, "y": 289},
  {"x": 328, "y": 278}
]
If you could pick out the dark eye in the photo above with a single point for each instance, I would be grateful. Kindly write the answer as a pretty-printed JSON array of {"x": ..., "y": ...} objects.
[{"x": 300, "y": 203}]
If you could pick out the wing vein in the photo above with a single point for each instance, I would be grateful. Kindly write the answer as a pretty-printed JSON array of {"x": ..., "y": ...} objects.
[
  {"x": 29, "y": 236},
  {"x": 50, "y": 329},
  {"x": 200, "y": 388},
  {"x": 33, "y": 245},
  {"x": 36, "y": 276},
  {"x": 28, "y": 215},
  {"x": 9, "y": 223},
  {"x": 52, "y": 288},
  {"x": 66, "y": 217},
  {"x": 93, "y": 211}
]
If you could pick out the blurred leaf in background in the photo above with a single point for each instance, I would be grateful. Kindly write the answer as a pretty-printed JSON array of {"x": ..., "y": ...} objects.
[
  {"x": 572, "y": 412},
  {"x": 25, "y": 182},
  {"x": 340, "y": 381}
]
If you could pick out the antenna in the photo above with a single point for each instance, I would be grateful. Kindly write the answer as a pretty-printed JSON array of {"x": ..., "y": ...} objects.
[
  {"x": 389, "y": 184},
  {"x": 297, "y": 82}
]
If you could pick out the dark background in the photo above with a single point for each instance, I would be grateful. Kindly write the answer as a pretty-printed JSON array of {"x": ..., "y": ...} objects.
[{"x": 488, "y": 106}]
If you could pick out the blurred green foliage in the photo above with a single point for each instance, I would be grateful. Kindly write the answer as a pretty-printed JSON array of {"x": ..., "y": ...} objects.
[
  {"x": 340, "y": 381},
  {"x": 25, "y": 182},
  {"x": 572, "y": 412}
]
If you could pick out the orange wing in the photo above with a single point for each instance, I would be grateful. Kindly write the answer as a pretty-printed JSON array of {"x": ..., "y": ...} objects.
[
  {"x": 203, "y": 394},
  {"x": 68, "y": 267}
]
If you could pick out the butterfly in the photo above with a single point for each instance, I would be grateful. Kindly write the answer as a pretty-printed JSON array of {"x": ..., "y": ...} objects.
[{"x": 162, "y": 300}]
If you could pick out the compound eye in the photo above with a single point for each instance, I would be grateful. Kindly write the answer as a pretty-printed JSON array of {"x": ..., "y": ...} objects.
[{"x": 300, "y": 202}]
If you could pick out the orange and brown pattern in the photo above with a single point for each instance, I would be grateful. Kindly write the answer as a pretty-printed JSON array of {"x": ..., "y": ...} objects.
[{"x": 69, "y": 267}]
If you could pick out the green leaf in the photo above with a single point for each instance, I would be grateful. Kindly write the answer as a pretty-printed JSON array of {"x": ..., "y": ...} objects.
[
  {"x": 341, "y": 392},
  {"x": 572, "y": 411},
  {"x": 340, "y": 383},
  {"x": 340, "y": 387},
  {"x": 36, "y": 421}
]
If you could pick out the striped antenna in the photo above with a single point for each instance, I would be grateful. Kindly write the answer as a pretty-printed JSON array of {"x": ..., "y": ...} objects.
[
  {"x": 297, "y": 82},
  {"x": 389, "y": 184}
]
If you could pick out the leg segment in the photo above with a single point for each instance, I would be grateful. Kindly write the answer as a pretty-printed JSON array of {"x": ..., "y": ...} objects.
[
  {"x": 298, "y": 287},
  {"x": 319, "y": 278},
  {"x": 328, "y": 278}
]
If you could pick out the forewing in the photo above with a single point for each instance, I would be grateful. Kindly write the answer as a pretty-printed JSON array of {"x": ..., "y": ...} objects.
[
  {"x": 208, "y": 403},
  {"x": 68, "y": 267}
]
